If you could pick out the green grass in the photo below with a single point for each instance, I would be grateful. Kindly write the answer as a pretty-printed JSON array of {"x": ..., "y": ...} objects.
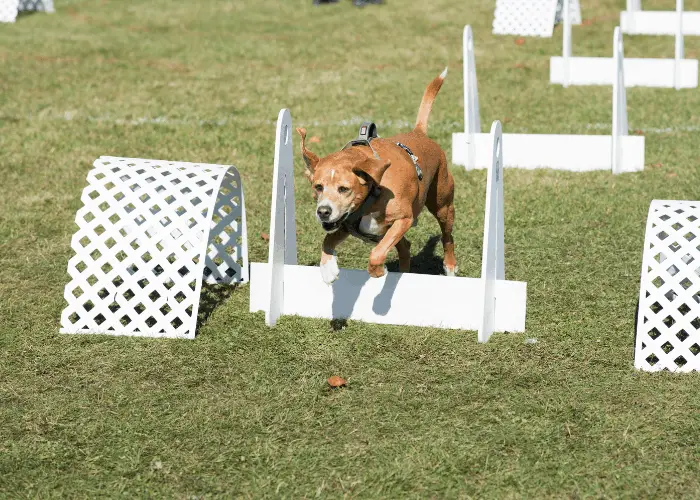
[{"x": 244, "y": 410}]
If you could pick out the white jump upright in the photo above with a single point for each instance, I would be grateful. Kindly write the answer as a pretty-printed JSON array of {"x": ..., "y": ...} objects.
[
  {"x": 675, "y": 73},
  {"x": 635, "y": 21},
  {"x": 532, "y": 17},
  {"x": 280, "y": 287},
  {"x": 148, "y": 233},
  {"x": 668, "y": 320},
  {"x": 617, "y": 152}
]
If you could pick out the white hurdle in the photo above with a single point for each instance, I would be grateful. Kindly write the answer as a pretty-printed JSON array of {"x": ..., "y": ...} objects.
[
  {"x": 635, "y": 21},
  {"x": 675, "y": 73},
  {"x": 531, "y": 17},
  {"x": 618, "y": 152},
  {"x": 487, "y": 304}
]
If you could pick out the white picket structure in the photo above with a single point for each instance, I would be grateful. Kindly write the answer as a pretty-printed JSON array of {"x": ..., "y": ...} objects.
[
  {"x": 280, "y": 287},
  {"x": 668, "y": 321},
  {"x": 532, "y": 17},
  {"x": 10, "y": 8},
  {"x": 618, "y": 152},
  {"x": 675, "y": 73},
  {"x": 635, "y": 21},
  {"x": 149, "y": 231}
]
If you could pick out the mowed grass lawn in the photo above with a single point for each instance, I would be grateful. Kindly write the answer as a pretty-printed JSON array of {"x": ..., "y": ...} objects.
[{"x": 244, "y": 410}]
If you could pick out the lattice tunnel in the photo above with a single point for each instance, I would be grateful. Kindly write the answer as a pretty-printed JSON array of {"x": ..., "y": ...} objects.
[
  {"x": 668, "y": 322},
  {"x": 149, "y": 232},
  {"x": 531, "y": 17}
]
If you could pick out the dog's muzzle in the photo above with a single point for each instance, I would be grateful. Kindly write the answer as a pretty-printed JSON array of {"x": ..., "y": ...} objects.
[{"x": 331, "y": 227}]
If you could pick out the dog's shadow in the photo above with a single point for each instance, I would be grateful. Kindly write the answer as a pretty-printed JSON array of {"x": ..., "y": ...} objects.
[{"x": 424, "y": 262}]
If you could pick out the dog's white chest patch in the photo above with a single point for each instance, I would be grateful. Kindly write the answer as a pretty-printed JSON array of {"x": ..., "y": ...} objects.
[{"x": 369, "y": 224}]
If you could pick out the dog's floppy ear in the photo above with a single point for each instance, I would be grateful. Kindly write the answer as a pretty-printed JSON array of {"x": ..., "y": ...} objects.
[
  {"x": 374, "y": 169},
  {"x": 310, "y": 158}
]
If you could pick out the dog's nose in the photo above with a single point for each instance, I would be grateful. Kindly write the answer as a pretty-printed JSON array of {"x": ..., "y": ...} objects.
[{"x": 324, "y": 213}]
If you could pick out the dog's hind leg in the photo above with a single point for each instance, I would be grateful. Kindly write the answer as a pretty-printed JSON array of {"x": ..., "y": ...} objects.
[
  {"x": 403, "y": 248},
  {"x": 440, "y": 202}
]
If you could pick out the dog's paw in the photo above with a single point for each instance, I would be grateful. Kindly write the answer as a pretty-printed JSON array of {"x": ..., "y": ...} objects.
[
  {"x": 449, "y": 272},
  {"x": 377, "y": 271},
  {"x": 330, "y": 270}
]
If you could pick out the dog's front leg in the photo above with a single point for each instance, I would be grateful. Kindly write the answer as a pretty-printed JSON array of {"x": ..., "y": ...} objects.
[
  {"x": 329, "y": 263},
  {"x": 378, "y": 256}
]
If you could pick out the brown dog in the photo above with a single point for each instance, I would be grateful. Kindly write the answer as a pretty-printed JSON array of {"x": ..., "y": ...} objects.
[{"x": 378, "y": 187}]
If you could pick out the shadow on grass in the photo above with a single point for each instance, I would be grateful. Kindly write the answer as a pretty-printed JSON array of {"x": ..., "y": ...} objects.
[
  {"x": 212, "y": 296},
  {"x": 425, "y": 261}
]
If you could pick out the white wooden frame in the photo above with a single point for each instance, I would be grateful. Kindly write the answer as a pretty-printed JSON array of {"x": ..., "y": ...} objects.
[
  {"x": 487, "y": 304},
  {"x": 618, "y": 152},
  {"x": 149, "y": 232},
  {"x": 668, "y": 320},
  {"x": 675, "y": 73},
  {"x": 530, "y": 17},
  {"x": 635, "y": 21}
]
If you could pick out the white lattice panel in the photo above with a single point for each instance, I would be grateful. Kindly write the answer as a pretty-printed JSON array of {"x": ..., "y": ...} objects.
[
  {"x": 668, "y": 335},
  {"x": 149, "y": 231},
  {"x": 8, "y": 11},
  {"x": 531, "y": 17},
  {"x": 36, "y": 5}
]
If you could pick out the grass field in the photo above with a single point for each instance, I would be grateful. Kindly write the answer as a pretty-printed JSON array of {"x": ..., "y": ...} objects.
[{"x": 245, "y": 411}]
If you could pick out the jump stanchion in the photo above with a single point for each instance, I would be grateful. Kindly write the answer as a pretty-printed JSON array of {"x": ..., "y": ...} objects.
[
  {"x": 280, "y": 287},
  {"x": 675, "y": 73},
  {"x": 532, "y": 17},
  {"x": 617, "y": 152},
  {"x": 668, "y": 321},
  {"x": 635, "y": 21},
  {"x": 148, "y": 233}
]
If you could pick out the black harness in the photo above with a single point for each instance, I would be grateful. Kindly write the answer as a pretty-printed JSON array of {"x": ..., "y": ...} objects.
[{"x": 351, "y": 224}]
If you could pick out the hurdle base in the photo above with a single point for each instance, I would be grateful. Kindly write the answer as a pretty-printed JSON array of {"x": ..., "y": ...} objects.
[
  {"x": 577, "y": 153},
  {"x": 658, "y": 23},
  {"x": 639, "y": 72},
  {"x": 394, "y": 299}
]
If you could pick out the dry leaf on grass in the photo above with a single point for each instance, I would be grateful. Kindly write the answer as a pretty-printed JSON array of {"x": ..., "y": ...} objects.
[
  {"x": 265, "y": 236},
  {"x": 314, "y": 140},
  {"x": 671, "y": 174},
  {"x": 657, "y": 165},
  {"x": 519, "y": 41},
  {"x": 336, "y": 381}
]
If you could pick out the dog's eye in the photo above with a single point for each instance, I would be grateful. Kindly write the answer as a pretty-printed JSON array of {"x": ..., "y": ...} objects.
[
  {"x": 343, "y": 189},
  {"x": 318, "y": 188}
]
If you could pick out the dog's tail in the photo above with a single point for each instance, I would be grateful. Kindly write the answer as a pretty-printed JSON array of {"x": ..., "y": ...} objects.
[{"x": 427, "y": 103}]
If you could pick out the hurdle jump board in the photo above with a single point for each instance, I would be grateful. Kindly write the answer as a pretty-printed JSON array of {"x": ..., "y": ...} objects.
[
  {"x": 280, "y": 287},
  {"x": 531, "y": 17},
  {"x": 675, "y": 73},
  {"x": 618, "y": 152},
  {"x": 668, "y": 321},
  {"x": 635, "y": 21},
  {"x": 148, "y": 233}
]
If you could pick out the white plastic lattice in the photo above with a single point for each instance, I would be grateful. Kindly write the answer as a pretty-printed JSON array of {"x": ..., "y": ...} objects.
[
  {"x": 36, "y": 5},
  {"x": 149, "y": 231},
  {"x": 668, "y": 322},
  {"x": 531, "y": 17},
  {"x": 8, "y": 11}
]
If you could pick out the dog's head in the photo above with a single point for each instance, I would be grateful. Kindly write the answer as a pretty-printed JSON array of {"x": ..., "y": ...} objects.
[{"x": 340, "y": 181}]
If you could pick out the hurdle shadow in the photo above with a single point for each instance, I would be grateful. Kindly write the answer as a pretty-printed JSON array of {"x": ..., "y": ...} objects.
[{"x": 344, "y": 300}]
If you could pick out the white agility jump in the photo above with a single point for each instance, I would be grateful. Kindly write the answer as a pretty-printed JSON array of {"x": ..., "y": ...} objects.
[
  {"x": 618, "y": 152},
  {"x": 10, "y": 8},
  {"x": 635, "y": 21},
  {"x": 675, "y": 73},
  {"x": 281, "y": 287},
  {"x": 148, "y": 233},
  {"x": 668, "y": 320},
  {"x": 531, "y": 17}
]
